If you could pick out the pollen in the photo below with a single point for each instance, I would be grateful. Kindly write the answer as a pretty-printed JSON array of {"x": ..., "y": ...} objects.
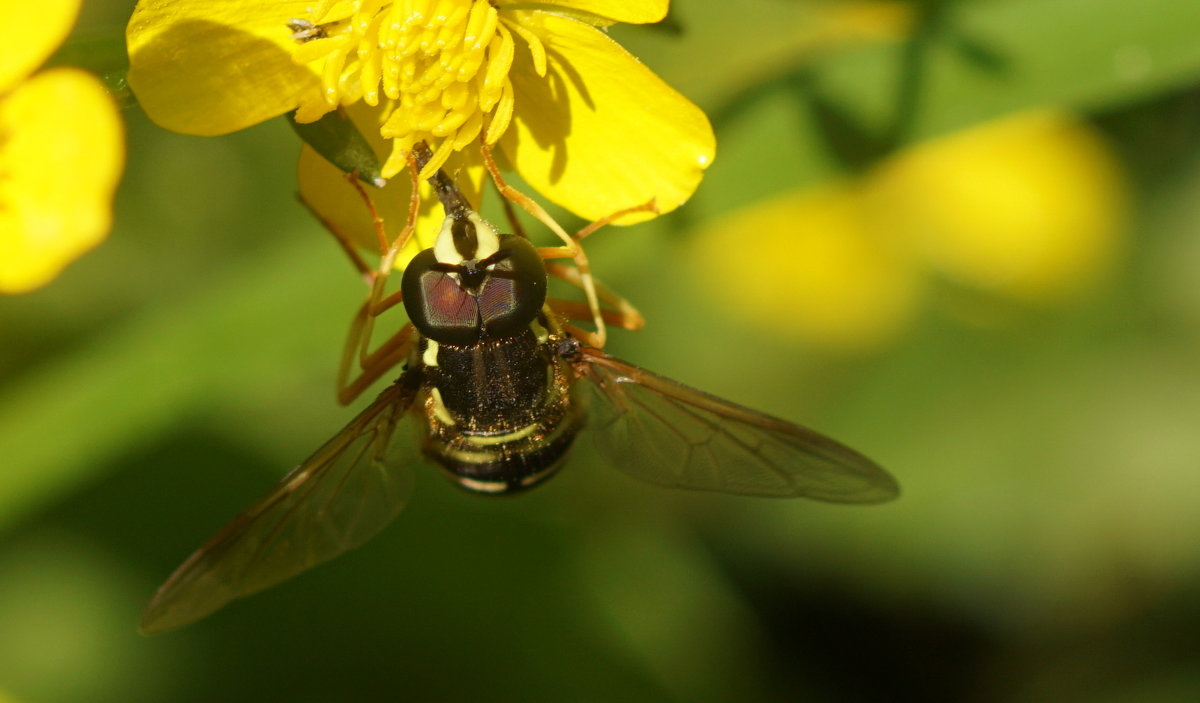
[{"x": 438, "y": 68}]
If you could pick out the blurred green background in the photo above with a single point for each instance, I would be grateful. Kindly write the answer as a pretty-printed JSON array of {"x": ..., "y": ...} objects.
[{"x": 1044, "y": 548}]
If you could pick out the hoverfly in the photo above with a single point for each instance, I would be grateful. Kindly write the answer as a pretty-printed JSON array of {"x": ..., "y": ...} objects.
[{"x": 496, "y": 386}]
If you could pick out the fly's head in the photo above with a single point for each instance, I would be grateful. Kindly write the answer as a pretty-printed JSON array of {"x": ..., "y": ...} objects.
[{"x": 474, "y": 284}]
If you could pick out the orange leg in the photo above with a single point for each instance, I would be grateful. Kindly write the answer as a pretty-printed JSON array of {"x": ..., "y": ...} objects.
[
  {"x": 512, "y": 218},
  {"x": 343, "y": 242},
  {"x": 373, "y": 363},
  {"x": 574, "y": 310},
  {"x": 572, "y": 248},
  {"x": 379, "y": 362},
  {"x": 620, "y": 312}
]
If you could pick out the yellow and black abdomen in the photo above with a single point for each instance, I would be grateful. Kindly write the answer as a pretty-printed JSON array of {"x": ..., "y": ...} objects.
[{"x": 499, "y": 413}]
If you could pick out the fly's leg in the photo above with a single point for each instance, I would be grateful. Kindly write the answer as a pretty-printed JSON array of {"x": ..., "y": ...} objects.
[
  {"x": 512, "y": 218},
  {"x": 343, "y": 242},
  {"x": 617, "y": 311},
  {"x": 572, "y": 248},
  {"x": 371, "y": 364},
  {"x": 390, "y": 353},
  {"x": 620, "y": 313},
  {"x": 378, "y": 302},
  {"x": 570, "y": 309}
]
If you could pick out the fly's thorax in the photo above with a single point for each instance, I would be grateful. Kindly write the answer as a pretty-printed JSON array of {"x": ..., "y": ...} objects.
[{"x": 495, "y": 386}]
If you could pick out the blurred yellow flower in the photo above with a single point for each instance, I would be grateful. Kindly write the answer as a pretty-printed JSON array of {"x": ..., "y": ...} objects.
[
  {"x": 60, "y": 152},
  {"x": 807, "y": 265},
  {"x": 1030, "y": 207},
  {"x": 579, "y": 118},
  {"x": 840, "y": 23}
]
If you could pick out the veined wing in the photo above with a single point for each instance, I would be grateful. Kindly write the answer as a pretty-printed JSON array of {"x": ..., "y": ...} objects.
[
  {"x": 664, "y": 432},
  {"x": 340, "y": 497}
]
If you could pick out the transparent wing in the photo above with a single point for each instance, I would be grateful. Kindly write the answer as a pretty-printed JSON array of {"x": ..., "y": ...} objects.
[
  {"x": 664, "y": 432},
  {"x": 339, "y": 498}
]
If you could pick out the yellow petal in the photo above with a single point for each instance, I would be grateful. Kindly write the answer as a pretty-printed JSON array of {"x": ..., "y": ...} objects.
[
  {"x": 35, "y": 31},
  {"x": 806, "y": 266},
  {"x": 61, "y": 158},
  {"x": 601, "y": 132},
  {"x": 324, "y": 187},
  {"x": 1031, "y": 206},
  {"x": 215, "y": 66},
  {"x": 630, "y": 11}
]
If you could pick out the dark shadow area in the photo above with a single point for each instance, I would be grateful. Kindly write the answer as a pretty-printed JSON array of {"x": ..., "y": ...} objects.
[
  {"x": 854, "y": 649},
  {"x": 858, "y": 648}
]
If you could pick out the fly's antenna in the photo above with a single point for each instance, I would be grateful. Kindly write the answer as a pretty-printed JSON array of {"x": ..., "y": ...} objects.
[{"x": 454, "y": 202}]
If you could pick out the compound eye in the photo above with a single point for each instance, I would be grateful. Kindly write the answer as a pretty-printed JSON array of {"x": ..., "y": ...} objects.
[
  {"x": 506, "y": 298},
  {"x": 515, "y": 290},
  {"x": 437, "y": 304}
]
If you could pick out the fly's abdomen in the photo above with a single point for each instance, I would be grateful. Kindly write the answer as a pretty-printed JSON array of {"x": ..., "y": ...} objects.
[
  {"x": 500, "y": 417},
  {"x": 504, "y": 463}
]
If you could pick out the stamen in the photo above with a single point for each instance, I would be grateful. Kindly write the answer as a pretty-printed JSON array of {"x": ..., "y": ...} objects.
[
  {"x": 502, "y": 115},
  {"x": 500, "y": 55},
  {"x": 537, "y": 51},
  {"x": 455, "y": 96},
  {"x": 444, "y": 150},
  {"x": 470, "y": 130},
  {"x": 437, "y": 66}
]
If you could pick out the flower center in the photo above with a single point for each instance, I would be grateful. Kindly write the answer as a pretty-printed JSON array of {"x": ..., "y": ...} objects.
[{"x": 437, "y": 68}]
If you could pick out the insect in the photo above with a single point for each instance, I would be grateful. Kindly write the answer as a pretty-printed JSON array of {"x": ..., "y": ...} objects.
[
  {"x": 305, "y": 31},
  {"x": 496, "y": 386}
]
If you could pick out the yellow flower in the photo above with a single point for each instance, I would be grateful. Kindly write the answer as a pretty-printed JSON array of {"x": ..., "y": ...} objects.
[
  {"x": 579, "y": 118},
  {"x": 1029, "y": 208},
  {"x": 335, "y": 201},
  {"x": 807, "y": 265},
  {"x": 60, "y": 152}
]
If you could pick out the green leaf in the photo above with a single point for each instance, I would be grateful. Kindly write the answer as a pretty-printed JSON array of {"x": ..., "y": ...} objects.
[{"x": 336, "y": 138}]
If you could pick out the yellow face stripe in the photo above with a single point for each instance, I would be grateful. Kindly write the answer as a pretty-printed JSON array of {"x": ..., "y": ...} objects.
[{"x": 487, "y": 240}]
